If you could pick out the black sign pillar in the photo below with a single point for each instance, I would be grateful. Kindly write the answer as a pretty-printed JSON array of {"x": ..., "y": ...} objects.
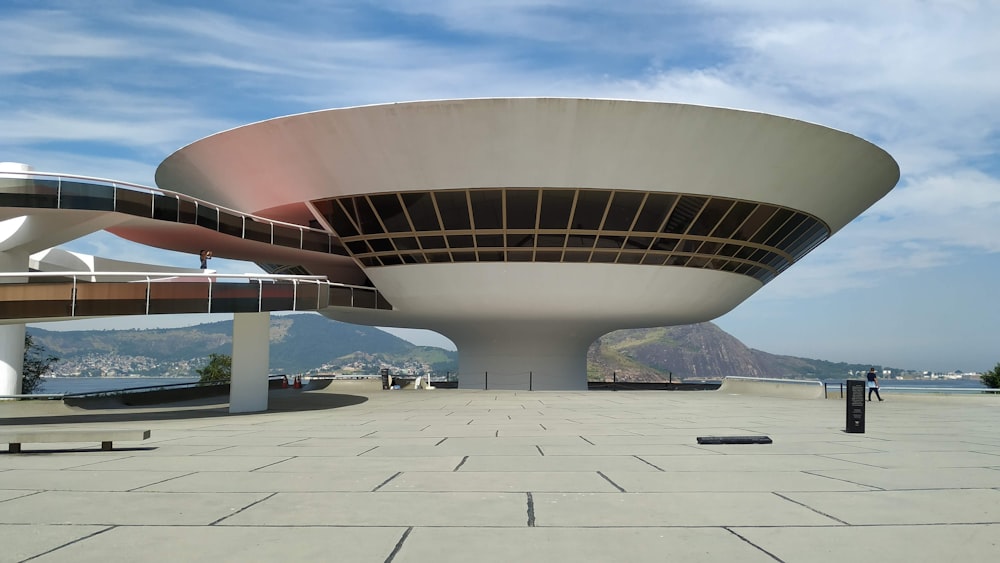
[
  {"x": 855, "y": 406},
  {"x": 385, "y": 378}
]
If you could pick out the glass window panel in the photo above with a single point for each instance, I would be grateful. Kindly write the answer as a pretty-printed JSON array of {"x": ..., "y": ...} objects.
[
  {"x": 438, "y": 257},
  {"x": 696, "y": 262},
  {"x": 710, "y": 215},
  {"x": 208, "y": 217},
  {"x": 338, "y": 219},
  {"x": 603, "y": 257},
  {"x": 381, "y": 245},
  {"x": 571, "y": 256},
  {"x": 548, "y": 256},
  {"x": 519, "y": 256},
  {"x": 630, "y": 257},
  {"x": 729, "y": 250},
  {"x": 654, "y": 211},
  {"x": 590, "y": 207},
  {"x": 709, "y": 248},
  {"x": 364, "y": 215},
  {"x": 487, "y": 208},
  {"x": 316, "y": 241},
  {"x": 521, "y": 208},
  {"x": 454, "y": 208},
  {"x": 638, "y": 243},
  {"x": 652, "y": 259},
  {"x": 745, "y": 252},
  {"x": 551, "y": 241},
  {"x": 787, "y": 230},
  {"x": 188, "y": 212},
  {"x": 257, "y": 230},
  {"x": 729, "y": 266},
  {"x": 460, "y": 241},
  {"x": 413, "y": 258},
  {"x": 521, "y": 239},
  {"x": 370, "y": 261},
  {"x": 684, "y": 212},
  {"x": 78, "y": 195},
  {"x": 390, "y": 259},
  {"x": 580, "y": 241},
  {"x": 287, "y": 236},
  {"x": 406, "y": 243},
  {"x": 429, "y": 242},
  {"x": 491, "y": 256},
  {"x": 556, "y": 208},
  {"x": 420, "y": 207},
  {"x": 134, "y": 202},
  {"x": 758, "y": 255},
  {"x": 463, "y": 256},
  {"x": 676, "y": 260},
  {"x": 754, "y": 222},
  {"x": 358, "y": 247},
  {"x": 737, "y": 214},
  {"x": 816, "y": 234},
  {"x": 624, "y": 206},
  {"x": 391, "y": 211},
  {"x": 231, "y": 224},
  {"x": 610, "y": 241},
  {"x": 165, "y": 208},
  {"x": 22, "y": 192},
  {"x": 773, "y": 224},
  {"x": 665, "y": 244},
  {"x": 489, "y": 241}
]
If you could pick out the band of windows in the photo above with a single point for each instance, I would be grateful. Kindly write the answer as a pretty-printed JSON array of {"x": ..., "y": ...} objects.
[{"x": 573, "y": 225}]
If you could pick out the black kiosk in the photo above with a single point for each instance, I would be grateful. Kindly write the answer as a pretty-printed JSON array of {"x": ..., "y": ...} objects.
[{"x": 855, "y": 406}]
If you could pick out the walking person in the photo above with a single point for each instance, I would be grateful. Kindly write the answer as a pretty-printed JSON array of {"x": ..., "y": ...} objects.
[{"x": 873, "y": 384}]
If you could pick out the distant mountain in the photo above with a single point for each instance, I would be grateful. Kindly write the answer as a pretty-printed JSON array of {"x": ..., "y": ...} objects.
[
  {"x": 299, "y": 344},
  {"x": 310, "y": 343},
  {"x": 698, "y": 351}
]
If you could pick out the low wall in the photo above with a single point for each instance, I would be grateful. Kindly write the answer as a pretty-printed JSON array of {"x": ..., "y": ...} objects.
[{"x": 783, "y": 388}]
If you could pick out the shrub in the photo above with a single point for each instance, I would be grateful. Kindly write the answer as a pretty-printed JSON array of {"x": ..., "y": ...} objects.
[
  {"x": 992, "y": 378},
  {"x": 219, "y": 369},
  {"x": 37, "y": 362}
]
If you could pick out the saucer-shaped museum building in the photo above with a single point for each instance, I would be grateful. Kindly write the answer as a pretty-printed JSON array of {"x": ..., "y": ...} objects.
[{"x": 524, "y": 229}]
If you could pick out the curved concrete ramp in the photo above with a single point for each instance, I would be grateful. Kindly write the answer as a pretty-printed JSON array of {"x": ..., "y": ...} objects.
[{"x": 784, "y": 388}]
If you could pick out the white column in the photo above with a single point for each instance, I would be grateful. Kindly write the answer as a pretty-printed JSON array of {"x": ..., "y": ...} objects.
[
  {"x": 251, "y": 357},
  {"x": 12, "y": 335}
]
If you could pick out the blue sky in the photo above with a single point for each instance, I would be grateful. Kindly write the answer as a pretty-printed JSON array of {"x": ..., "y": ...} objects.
[{"x": 110, "y": 88}]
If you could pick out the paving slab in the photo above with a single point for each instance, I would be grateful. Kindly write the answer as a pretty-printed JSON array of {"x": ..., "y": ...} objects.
[
  {"x": 878, "y": 544},
  {"x": 21, "y": 542},
  {"x": 672, "y": 509},
  {"x": 427, "y": 477},
  {"x": 100, "y": 508},
  {"x": 951, "y": 506},
  {"x": 635, "y": 545},
  {"x": 386, "y": 509},
  {"x": 212, "y": 544}
]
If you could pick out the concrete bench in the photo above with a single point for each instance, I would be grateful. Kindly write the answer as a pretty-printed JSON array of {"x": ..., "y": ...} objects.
[{"x": 58, "y": 435}]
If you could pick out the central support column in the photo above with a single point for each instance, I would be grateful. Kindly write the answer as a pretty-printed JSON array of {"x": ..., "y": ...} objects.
[
  {"x": 12, "y": 335},
  {"x": 251, "y": 358},
  {"x": 523, "y": 356}
]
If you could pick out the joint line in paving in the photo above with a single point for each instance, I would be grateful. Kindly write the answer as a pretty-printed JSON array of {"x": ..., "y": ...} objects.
[
  {"x": 255, "y": 503},
  {"x": 766, "y": 552},
  {"x": 442, "y": 441},
  {"x": 399, "y": 545},
  {"x": 386, "y": 482},
  {"x": 588, "y": 441},
  {"x": 366, "y": 451},
  {"x": 67, "y": 544},
  {"x": 540, "y": 452},
  {"x": 803, "y": 505},
  {"x": 158, "y": 482},
  {"x": 653, "y": 465},
  {"x": 845, "y": 481},
  {"x": 613, "y": 484},
  {"x": 461, "y": 463}
]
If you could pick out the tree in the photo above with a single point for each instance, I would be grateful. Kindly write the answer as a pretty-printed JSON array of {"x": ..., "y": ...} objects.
[
  {"x": 992, "y": 378},
  {"x": 37, "y": 362},
  {"x": 219, "y": 369}
]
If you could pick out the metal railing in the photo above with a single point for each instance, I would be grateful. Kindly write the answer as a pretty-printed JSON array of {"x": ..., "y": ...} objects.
[
  {"x": 73, "y": 294},
  {"x": 31, "y": 189}
]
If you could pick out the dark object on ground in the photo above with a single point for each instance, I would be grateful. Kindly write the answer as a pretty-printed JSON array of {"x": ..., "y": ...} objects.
[
  {"x": 105, "y": 436},
  {"x": 734, "y": 440}
]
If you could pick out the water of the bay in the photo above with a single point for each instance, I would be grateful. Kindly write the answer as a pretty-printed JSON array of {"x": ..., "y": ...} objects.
[{"x": 70, "y": 385}]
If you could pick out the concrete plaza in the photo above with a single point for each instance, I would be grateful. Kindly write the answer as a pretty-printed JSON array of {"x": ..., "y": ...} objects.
[{"x": 477, "y": 476}]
